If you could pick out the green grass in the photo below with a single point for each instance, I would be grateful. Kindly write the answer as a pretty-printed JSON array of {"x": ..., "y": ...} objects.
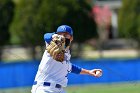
[
  {"x": 105, "y": 88},
  {"x": 93, "y": 88}
]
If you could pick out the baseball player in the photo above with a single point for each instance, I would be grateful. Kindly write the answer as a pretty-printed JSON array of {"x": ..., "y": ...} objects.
[{"x": 55, "y": 65}]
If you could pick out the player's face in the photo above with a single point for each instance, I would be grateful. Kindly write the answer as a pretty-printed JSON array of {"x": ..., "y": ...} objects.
[{"x": 66, "y": 35}]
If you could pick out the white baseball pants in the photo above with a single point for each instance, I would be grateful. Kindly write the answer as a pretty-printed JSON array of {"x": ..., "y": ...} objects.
[{"x": 46, "y": 89}]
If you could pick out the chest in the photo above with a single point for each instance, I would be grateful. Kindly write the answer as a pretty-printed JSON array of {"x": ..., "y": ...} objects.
[{"x": 61, "y": 66}]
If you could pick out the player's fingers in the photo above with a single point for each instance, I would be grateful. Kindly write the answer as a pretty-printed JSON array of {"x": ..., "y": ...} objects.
[
  {"x": 97, "y": 70},
  {"x": 92, "y": 73},
  {"x": 99, "y": 73}
]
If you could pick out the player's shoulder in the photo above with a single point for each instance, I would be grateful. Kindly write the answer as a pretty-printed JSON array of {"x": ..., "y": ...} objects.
[
  {"x": 67, "y": 55},
  {"x": 48, "y": 37}
]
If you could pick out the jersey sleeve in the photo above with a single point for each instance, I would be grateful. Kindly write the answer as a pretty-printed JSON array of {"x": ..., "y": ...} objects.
[
  {"x": 75, "y": 69},
  {"x": 48, "y": 37}
]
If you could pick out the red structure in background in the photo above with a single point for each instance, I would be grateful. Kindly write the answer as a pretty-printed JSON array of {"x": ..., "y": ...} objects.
[{"x": 102, "y": 17}]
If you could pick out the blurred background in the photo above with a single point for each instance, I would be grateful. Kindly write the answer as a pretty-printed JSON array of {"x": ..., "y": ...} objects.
[{"x": 106, "y": 36}]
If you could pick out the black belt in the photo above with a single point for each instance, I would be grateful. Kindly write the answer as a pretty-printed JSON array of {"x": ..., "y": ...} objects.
[{"x": 48, "y": 84}]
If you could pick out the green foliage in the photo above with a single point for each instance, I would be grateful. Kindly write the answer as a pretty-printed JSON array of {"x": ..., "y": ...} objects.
[
  {"x": 129, "y": 19},
  {"x": 6, "y": 15},
  {"x": 33, "y": 18},
  {"x": 23, "y": 28},
  {"x": 78, "y": 17}
]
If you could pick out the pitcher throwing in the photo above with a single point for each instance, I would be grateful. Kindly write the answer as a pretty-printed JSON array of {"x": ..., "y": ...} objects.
[{"x": 52, "y": 72}]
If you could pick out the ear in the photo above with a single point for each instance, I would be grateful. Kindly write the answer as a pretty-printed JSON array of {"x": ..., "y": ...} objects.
[{"x": 71, "y": 39}]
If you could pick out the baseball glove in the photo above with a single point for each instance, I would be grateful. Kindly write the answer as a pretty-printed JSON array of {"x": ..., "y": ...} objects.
[{"x": 56, "y": 48}]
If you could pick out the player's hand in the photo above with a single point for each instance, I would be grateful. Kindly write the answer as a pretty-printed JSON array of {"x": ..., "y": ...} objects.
[
  {"x": 96, "y": 72},
  {"x": 56, "y": 48}
]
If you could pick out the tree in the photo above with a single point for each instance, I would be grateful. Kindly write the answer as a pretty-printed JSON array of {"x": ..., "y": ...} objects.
[
  {"x": 23, "y": 28},
  {"x": 129, "y": 19},
  {"x": 41, "y": 16},
  {"x": 79, "y": 17},
  {"x": 33, "y": 18},
  {"x": 6, "y": 15}
]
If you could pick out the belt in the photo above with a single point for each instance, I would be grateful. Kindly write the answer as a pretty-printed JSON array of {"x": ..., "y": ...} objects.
[{"x": 48, "y": 84}]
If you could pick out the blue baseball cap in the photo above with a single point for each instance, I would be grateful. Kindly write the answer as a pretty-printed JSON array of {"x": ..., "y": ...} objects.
[{"x": 65, "y": 28}]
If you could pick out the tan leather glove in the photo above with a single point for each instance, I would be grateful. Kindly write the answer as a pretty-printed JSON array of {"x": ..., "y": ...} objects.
[{"x": 56, "y": 48}]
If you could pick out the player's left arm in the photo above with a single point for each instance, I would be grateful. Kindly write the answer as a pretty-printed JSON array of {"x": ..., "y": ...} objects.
[
  {"x": 78, "y": 70},
  {"x": 93, "y": 72}
]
